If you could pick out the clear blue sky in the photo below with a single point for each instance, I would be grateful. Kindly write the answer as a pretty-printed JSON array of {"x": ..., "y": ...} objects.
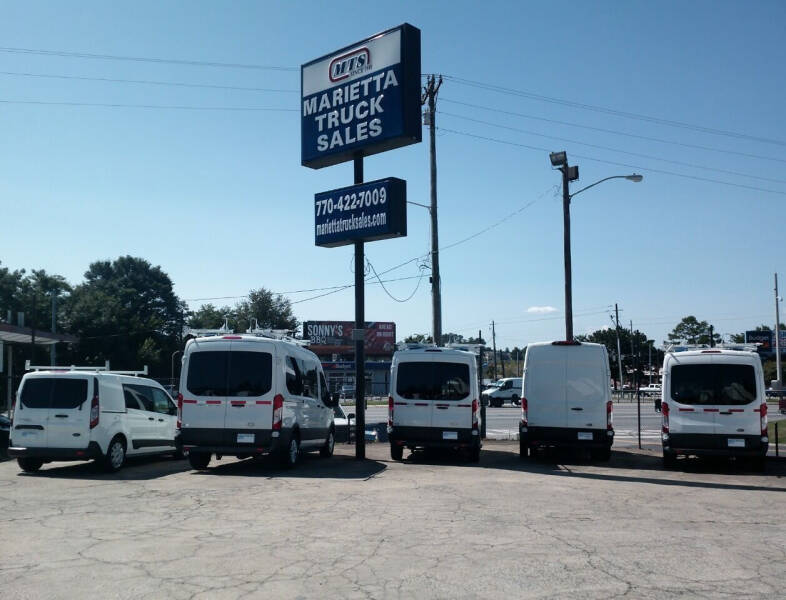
[{"x": 219, "y": 200}]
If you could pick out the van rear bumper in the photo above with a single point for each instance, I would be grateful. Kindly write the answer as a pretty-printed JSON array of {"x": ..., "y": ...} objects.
[
  {"x": 566, "y": 437},
  {"x": 224, "y": 441},
  {"x": 712, "y": 444},
  {"x": 92, "y": 451},
  {"x": 432, "y": 437}
]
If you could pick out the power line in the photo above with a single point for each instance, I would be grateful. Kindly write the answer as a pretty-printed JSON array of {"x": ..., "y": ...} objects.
[
  {"x": 611, "y": 111},
  {"x": 408, "y": 298},
  {"x": 608, "y": 148},
  {"x": 152, "y": 106},
  {"x": 618, "y": 164},
  {"x": 147, "y": 82},
  {"x": 613, "y": 131},
  {"x": 172, "y": 61}
]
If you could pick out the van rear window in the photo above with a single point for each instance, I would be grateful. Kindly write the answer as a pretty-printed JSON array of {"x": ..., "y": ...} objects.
[
  {"x": 51, "y": 392},
  {"x": 433, "y": 381},
  {"x": 713, "y": 384},
  {"x": 234, "y": 373}
]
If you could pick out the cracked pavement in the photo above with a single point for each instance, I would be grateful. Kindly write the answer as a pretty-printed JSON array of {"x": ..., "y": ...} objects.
[{"x": 430, "y": 527}]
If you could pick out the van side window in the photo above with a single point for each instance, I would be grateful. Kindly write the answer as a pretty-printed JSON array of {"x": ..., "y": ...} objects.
[
  {"x": 160, "y": 401},
  {"x": 294, "y": 377},
  {"x": 309, "y": 378},
  {"x": 131, "y": 401}
]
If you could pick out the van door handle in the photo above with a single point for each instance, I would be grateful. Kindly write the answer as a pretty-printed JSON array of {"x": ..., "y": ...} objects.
[
  {"x": 576, "y": 408},
  {"x": 62, "y": 416},
  {"x": 443, "y": 407},
  {"x": 725, "y": 412},
  {"x": 151, "y": 418},
  {"x": 161, "y": 420}
]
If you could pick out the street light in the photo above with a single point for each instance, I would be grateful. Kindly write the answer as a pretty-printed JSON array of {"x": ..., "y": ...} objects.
[{"x": 560, "y": 161}]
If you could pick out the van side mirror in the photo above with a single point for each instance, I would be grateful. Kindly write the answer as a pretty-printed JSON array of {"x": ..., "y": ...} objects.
[
  {"x": 350, "y": 416},
  {"x": 335, "y": 397}
]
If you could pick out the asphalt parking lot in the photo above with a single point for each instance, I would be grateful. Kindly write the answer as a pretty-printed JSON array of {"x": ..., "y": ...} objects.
[{"x": 430, "y": 527}]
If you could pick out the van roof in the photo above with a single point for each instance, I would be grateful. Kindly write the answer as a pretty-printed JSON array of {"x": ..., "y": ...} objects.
[
  {"x": 565, "y": 344},
  {"x": 255, "y": 339},
  {"x": 415, "y": 353},
  {"x": 712, "y": 352},
  {"x": 65, "y": 372}
]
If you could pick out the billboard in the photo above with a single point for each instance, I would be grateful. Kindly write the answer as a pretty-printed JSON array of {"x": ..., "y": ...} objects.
[
  {"x": 766, "y": 339},
  {"x": 362, "y": 99},
  {"x": 335, "y": 337},
  {"x": 371, "y": 211}
]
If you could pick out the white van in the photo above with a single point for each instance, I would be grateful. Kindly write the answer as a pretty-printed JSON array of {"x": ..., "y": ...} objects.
[
  {"x": 566, "y": 400},
  {"x": 714, "y": 403},
  {"x": 243, "y": 395},
  {"x": 80, "y": 413},
  {"x": 507, "y": 389},
  {"x": 434, "y": 401}
]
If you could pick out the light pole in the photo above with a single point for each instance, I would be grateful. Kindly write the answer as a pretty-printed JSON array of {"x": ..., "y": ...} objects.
[{"x": 571, "y": 173}]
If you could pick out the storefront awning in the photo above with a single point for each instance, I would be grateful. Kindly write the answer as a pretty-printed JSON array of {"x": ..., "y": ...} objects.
[{"x": 12, "y": 334}]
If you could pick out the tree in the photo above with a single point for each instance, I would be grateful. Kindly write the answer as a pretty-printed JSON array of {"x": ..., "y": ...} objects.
[
  {"x": 738, "y": 338},
  {"x": 608, "y": 337},
  {"x": 209, "y": 317},
  {"x": 693, "y": 331},
  {"x": 418, "y": 338},
  {"x": 126, "y": 312},
  {"x": 272, "y": 311}
]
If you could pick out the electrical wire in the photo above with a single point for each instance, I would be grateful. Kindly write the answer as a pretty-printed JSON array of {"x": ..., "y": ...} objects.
[
  {"x": 153, "y": 106},
  {"x": 618, "y": 164},
  {"x": 147, "y": 82},
  {"x": 611, "y": 111},
  {"x": 171, "y": 61},
  {"x": 408, "y": 298},
  {"x": 607, "y": 148}
]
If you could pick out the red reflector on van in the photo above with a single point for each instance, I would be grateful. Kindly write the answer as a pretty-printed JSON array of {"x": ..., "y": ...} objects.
[
  {"x": 710, "y": 351},
  {"x": 264, "y": 402},
  {"x": 231, "y": 337}
]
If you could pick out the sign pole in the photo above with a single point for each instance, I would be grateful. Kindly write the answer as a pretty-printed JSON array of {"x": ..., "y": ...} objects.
[{"x": 359, "y": 337}]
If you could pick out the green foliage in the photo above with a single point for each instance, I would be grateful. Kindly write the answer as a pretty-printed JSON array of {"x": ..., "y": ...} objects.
[
  {"x": 631, "y": 355},
  {"x": 209, "y": 317},
  {"x": 692, "y": 331},
  {"x": 271, "y": 311}
]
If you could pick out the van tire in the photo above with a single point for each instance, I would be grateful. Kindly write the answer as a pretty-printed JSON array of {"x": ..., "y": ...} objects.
[
  {"x": 523, "y": 449},
  {"x": 326, "y": 451},
  {"x": 199, "y": 460},
  {"x": 396, "y": 452},
  {"x": 290, "y": 455},
  {"x": 115, "y": 456},
  {"x": 669, "y": 459},
  {"x": 759, "y": 464},
  {"x": 474, "y": 453},
  {"x": 601, "y": 454},
  {"x": 29, "y": 465}
]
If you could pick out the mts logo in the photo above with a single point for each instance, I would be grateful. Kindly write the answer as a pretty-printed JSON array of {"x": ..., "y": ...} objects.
[{"x": 345, "y": 65}]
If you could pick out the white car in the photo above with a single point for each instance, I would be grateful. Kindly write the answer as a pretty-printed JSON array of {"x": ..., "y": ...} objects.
[
  {"x": 714, "y": 404},
  {"x": 566, "y": 399},
  {"x": 504, "y": 390},
  {"x": 243, "y": 395},
  {"x": 434, "y": 401},
  {"x": 89, "y": 413}
]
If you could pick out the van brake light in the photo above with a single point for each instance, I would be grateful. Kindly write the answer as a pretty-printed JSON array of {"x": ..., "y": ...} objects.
[
  {"x": 475, "y": 413},
  {"x": 664, "y": 410},
  {"x": 179, "y": 410},
  {"x": 524, "y": 407},
  {"x": 390, "y": 411},
  {"x": 763, "y": 411},
  {"x": 609, "y": 415},
  {"x": 94, "y": 410},
  {"x": 278, "y": 412}
]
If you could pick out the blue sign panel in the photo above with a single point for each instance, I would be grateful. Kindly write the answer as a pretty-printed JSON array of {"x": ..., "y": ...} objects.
[
  {"x": 376, "y": 210},
  {"x": 362, "y": 99}
]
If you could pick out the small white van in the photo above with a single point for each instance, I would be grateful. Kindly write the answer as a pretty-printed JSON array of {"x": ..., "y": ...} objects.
[
  {"x": 507, "y": 389},
  {"x": 566, "y": 400},
  {"x": 244, "y": 395},
  {"x": 434, "y": 401},
  {"x": 714, "y": 403},
  {"x": 81, "y": 413}
]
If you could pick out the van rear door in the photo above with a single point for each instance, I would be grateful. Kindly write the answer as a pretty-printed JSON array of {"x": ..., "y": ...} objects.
[
  {"x": 205, "y": 388},
  {"x": 544, "y": 382},
  {"x": 586, "y": 387},
  {"x": 31, "y": 417},
  {"x": 60, "y": 407},
  {"x": 738, "y": 394},
  {"x": 412, "y": 397},
  {"x": 249, "y": 399},
  {"x": 451, "y": 385},
  {"x": 691, "y": 388}
]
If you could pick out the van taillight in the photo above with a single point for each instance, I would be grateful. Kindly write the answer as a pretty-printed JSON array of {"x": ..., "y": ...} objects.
[
  {"x": 664, "y": 409},
  {"x": 609, "y": 415},
  {"x": 524, "y": 407},
  {"x": 278, "y": 412},
  {"x": 179, "y": 410},
  {"x": 390, "y": 411},
  {"x": 763, "y": 410},
  {"x": 94, "y": 410},
  {"x": 475, "y": 414}
]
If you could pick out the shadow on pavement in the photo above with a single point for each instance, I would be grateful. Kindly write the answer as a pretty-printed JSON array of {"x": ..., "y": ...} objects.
[{"x": 136, "y": 469}]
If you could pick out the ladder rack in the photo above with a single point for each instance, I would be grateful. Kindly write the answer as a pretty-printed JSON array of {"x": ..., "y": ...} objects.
[{"x": 102, "y": 369}]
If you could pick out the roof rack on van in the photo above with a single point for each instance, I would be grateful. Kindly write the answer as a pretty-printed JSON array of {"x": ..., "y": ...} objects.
[
  {"x": 103, "y": 369},
  {"x": 674, "y": 348},
  {"x": 276, "y": 334},
  {"x": 223, "y": 330}
]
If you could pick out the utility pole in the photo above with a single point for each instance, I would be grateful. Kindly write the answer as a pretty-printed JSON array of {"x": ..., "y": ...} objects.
[
  {"x": 32, "y": 326},
  {"x": 619, "y": 351},
  {"x": 358, "y": 335},
  {"x": 430, "y": 97},
  {"x": 52, "y": 352},
  {"x": 712, "y": 336},
  {"x": 494, "y": 348},
  {"x": 649, "y": 359},
  {"x": 777, "y": 335}
]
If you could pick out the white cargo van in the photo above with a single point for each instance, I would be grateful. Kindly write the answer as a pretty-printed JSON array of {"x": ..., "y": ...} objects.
[
  {"x": 566, "y": 400},
  {"x": 714, "y": 404},
  {"x": 434, "y": 401},
  {"x": 243, "y": 395},
  {"x": 507, "y": 389},
  {"x": 85, "y": 413}
]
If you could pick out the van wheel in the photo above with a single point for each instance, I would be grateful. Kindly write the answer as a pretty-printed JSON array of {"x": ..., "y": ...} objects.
[
  {"x": 759, "y": 464},
  {"x": 115, "y": 455},
  {"x": 601, "y": 454},
  {"x": 669, "y": 459},
  {"x": 523, "y": 449},
  {"x": 474, "y": 453},
  {"x": 29, "y": 465},
  {"x": 290, "y": 456},
  {"x": 514, "y": 399},
  {"x": 199, "y": 460},
  {"x": 396, "y": 452},
  {"x": 326, "y": 451}
]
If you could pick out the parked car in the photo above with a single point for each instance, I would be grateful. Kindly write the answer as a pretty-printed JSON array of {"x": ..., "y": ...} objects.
[
  {"x": 434, "y": 401},
  {"x": 714, "y": 404},
  {"x": 5, "y": 429},
  {"x": 243, "y": 395},
  {"x": 343, "y": 423},
  {"x": 86, "y": 413},
  {"x": 566, "y": 401},
  {"x": 347, "y": 392},
  {"x": 506, "y": 390}
]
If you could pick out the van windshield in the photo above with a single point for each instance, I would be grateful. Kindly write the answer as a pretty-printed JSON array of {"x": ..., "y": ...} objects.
[
  {"x": 232, "y": 373},
  {"x": 433, "y": 381},
  {"x": 713, "y": 384},
  {"x": 53, "y": 392}
]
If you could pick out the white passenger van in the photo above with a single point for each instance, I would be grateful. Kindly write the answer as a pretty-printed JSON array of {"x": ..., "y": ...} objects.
[
  {"x": 714, "y": 403},
  {"x": 566, "y": 400},
  {"x": 434, "y": 401},
  {"x": 83, "y": 413},
  {"x": 507, "y": 389},
  {"x": 243, "y": 395}
]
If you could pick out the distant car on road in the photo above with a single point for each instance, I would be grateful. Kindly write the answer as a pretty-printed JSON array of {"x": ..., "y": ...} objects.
[
  {"x": 347, "y": 392},
  {"x": 508, "y": 389},
  {"x": 650, "y": 390}
]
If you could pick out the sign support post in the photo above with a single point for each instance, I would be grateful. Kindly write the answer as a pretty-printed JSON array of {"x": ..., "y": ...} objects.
[{"x": 359, "y": 336}]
